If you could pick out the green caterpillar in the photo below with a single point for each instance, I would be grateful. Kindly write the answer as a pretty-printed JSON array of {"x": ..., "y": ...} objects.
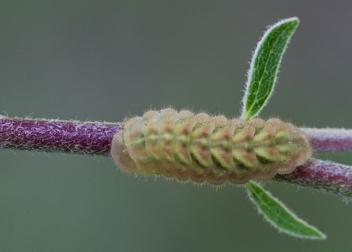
[{"x": 213, "y": 149}]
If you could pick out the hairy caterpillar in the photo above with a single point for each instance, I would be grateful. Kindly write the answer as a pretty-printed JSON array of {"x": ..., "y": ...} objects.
[{"x": 203, "y": 148}]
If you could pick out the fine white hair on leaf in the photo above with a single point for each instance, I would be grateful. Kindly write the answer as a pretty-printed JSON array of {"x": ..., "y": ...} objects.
[
  {"x": 252, "y": 68},
  {"x": 279, "y": 216}
]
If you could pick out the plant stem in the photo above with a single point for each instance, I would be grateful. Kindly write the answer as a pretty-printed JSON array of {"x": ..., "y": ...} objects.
[
  {"x": 95, "y": 138},
  {"x": 325, "y": 176},
  {"x": 330, "y": 139},
  {"x": 57, "y": 136}
]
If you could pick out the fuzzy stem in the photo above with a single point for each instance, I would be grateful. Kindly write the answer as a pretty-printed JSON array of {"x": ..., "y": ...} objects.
[
  {"x": 57, "y": 136},
  {"x": 322, "y": 175},
  {"x": 330, "y": 139},
  {"x": 95, "y": 138}
]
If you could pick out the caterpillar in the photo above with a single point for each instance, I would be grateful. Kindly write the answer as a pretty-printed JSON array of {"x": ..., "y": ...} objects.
[{"x": 202, "y": 148}]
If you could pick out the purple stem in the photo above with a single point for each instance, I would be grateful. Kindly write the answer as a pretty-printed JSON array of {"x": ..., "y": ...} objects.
[
  {"x": 95, "y": 138},
  {"x": 57, "y": 136},
  {"x": 330, "y": 139},
  {"x": 322, "y": 175}
]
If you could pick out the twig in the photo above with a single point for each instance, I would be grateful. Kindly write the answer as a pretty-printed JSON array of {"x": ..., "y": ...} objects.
[
  {"x": 95, "y": 138},
  {"x": 322, "y": 175},
  {"x": 57, "y": 136},
  {"x": 330, "y": 139}
]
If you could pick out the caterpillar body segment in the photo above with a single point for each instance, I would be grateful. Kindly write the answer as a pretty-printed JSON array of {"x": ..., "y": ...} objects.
[{"x": 213, "y": 149}]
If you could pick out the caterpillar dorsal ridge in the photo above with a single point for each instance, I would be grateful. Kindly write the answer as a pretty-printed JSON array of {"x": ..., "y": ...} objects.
[{"x": 202, "y": 148}]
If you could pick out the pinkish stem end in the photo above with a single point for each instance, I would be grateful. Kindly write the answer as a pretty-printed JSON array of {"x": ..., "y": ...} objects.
[{"x": 329, "y": 139}]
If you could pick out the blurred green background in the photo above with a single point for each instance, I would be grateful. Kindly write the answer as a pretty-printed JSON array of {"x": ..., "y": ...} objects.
[{"x": 104, "y": 60}]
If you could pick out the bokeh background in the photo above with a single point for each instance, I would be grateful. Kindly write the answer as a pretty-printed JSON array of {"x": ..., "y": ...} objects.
[{"x": 104, "y": 60}]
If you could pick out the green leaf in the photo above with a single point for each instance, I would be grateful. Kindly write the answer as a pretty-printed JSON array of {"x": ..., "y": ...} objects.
[
  {"x": 280, "y": 216},
  {"x": 264, "y": 66}
]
